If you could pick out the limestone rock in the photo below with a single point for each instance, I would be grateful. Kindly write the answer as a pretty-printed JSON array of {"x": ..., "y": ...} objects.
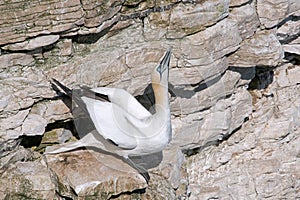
[
  {"x": 263, "y": 49},
  {"x": 13, "y": 59},
  {"x": 234, "y": 3},
  {"x": 257, "y": 148},
  {"x": 217, "y": 53},
  {"x": 288, "y": 75},
  {"x": 30, "y": 19},
  {"x": 293, "y": 47},
  {"x": 13, "y": 122},
  {"x": 65, "y": 46},
  {"x": 22, "y": 87},
  {"x": 272, "y": 12},
  {"x": 34, "y": 43},
  {"x": 288, "y": 31},
  {"x": 52, "y": 110},
  {"x": 211, "y": 44},
  {"x": 97, "y": 12},
  {"x": 205, "y": 96},
  {"x": 34, "y": 125},
  {"x": 90, "y": 174},
  {"x": 246, "y": 18},
  {"x": 198, "y": 17},
  {"x": 156, "y": 25},
  {"x": 26, "y": 180},
  {"x": 197, "y": 74}
]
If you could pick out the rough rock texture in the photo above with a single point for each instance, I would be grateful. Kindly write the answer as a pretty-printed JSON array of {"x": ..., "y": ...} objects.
[
  {"x": 261, "y": 160},
  {"x": 234, "y": 82},
  {"x": 97, "y": 174}
]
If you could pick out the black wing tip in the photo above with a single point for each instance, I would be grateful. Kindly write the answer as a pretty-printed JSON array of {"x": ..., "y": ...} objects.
[
  {"x": 64, "y": 88},
  {"x": 88, "y": 92},
  {"x": 83, "y": 91},
  {"x": 146, "y": 176}
]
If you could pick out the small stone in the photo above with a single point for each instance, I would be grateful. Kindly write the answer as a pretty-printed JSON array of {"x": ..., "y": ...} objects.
[{"x": 32, "y": 44}]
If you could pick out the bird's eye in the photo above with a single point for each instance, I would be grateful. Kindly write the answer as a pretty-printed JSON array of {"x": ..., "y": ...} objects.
[{"x": 159, "y": 69}]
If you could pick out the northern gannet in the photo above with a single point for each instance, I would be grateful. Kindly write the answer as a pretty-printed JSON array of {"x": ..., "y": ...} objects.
[{"x": 123, "y": 126}]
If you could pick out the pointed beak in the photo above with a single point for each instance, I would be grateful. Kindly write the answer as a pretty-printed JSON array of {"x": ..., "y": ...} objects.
[{"x": 164, "y": 63}]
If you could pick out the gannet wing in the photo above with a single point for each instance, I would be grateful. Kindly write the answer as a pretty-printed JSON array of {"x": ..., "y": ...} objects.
[
  {"x": 125, "y": 100},
  {"x": 110, "y": 121},
  {"x": 109, "y": 118}
]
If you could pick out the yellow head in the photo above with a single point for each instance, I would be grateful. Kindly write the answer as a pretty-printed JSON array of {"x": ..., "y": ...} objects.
[{"x": 160, "y": 78}]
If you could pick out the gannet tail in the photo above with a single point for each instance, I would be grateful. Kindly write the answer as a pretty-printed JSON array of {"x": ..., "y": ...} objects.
[
  {"x": 87, "y": 141},
  {"x": 63, "y": 147}
]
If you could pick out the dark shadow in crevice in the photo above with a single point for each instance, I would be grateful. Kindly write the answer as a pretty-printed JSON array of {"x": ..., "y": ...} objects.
[
  {"x": 147, "y": 99},
  {"x": 30, "y": 141},
  {"x": 292, "y": 58},
  {"x": 92, "y": 37},
  {"x": 264, "y": 76},
  {"x": 137, "y": 192},
  {"x": 194, "y": 151},
  {"x": 247, "y": 73}
]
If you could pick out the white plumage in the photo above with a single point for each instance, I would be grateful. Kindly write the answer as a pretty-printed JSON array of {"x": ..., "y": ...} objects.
[{"x": 123, "y": 126}]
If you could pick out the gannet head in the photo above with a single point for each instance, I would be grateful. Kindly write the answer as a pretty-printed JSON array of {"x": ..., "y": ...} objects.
[
  {"x": 159, "y": 78},
  {"x": 160, "y": 74}
]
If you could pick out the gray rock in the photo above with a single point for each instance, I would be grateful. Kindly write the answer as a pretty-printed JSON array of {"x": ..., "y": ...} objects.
[
  {"x": 288, "y": 75},
  {"x": 205, "y": 96},
  {"x": 193, "y": 74},
  {"x": 10, "y": 127},
  {"x": 293, "y": 47},
  {"x": 34, "y": 43},
  {"x": 32, "y": 19},
  {"x": 215, "y": 54},
  {"x": 13, "y": 59},
  {"x": 34, "y": 125},
  {"x": 27, "y": 180},
  {"x": 246, "y": 18},
  {"x": 257, "y": 148},
  {"x": 271, "y": 12},
  {"x": 263, "y": 49},
  {"x": 288, "y": 31},
  {"x": 198, "y": 16},
  {"x": 92, "y": 174},
  {"x": 235, "y": 3},
  {"x": 211, "y": 44}
]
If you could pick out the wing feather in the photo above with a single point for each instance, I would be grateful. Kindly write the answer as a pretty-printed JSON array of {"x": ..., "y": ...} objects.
[{"x": 110, "y": 121}]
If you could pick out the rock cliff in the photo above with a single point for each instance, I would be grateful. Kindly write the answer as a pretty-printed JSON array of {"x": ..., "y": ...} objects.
[{"x": 235, "y": 91}]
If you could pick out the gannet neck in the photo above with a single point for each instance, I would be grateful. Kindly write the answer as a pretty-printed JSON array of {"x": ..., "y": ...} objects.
[
  {"x": 161, "y": 96},
  {"x": 159, "y": 79}
]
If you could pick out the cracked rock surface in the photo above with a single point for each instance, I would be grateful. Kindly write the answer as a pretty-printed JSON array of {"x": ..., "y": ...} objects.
[{"x": 234, "y": 82}]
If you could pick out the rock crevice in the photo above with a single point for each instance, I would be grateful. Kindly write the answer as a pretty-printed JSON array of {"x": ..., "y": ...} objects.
[{"x": 234, "y": 96}]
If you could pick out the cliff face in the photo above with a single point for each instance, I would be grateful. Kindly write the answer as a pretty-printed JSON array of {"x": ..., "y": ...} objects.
[{"x": 234, "y": 80}]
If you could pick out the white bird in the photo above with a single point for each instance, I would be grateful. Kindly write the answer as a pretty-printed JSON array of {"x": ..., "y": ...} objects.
[{"x": 123, "y": 126}]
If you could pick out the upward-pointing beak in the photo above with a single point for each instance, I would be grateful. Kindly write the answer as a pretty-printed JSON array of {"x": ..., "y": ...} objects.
[{"x": 164, "y": 63}]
